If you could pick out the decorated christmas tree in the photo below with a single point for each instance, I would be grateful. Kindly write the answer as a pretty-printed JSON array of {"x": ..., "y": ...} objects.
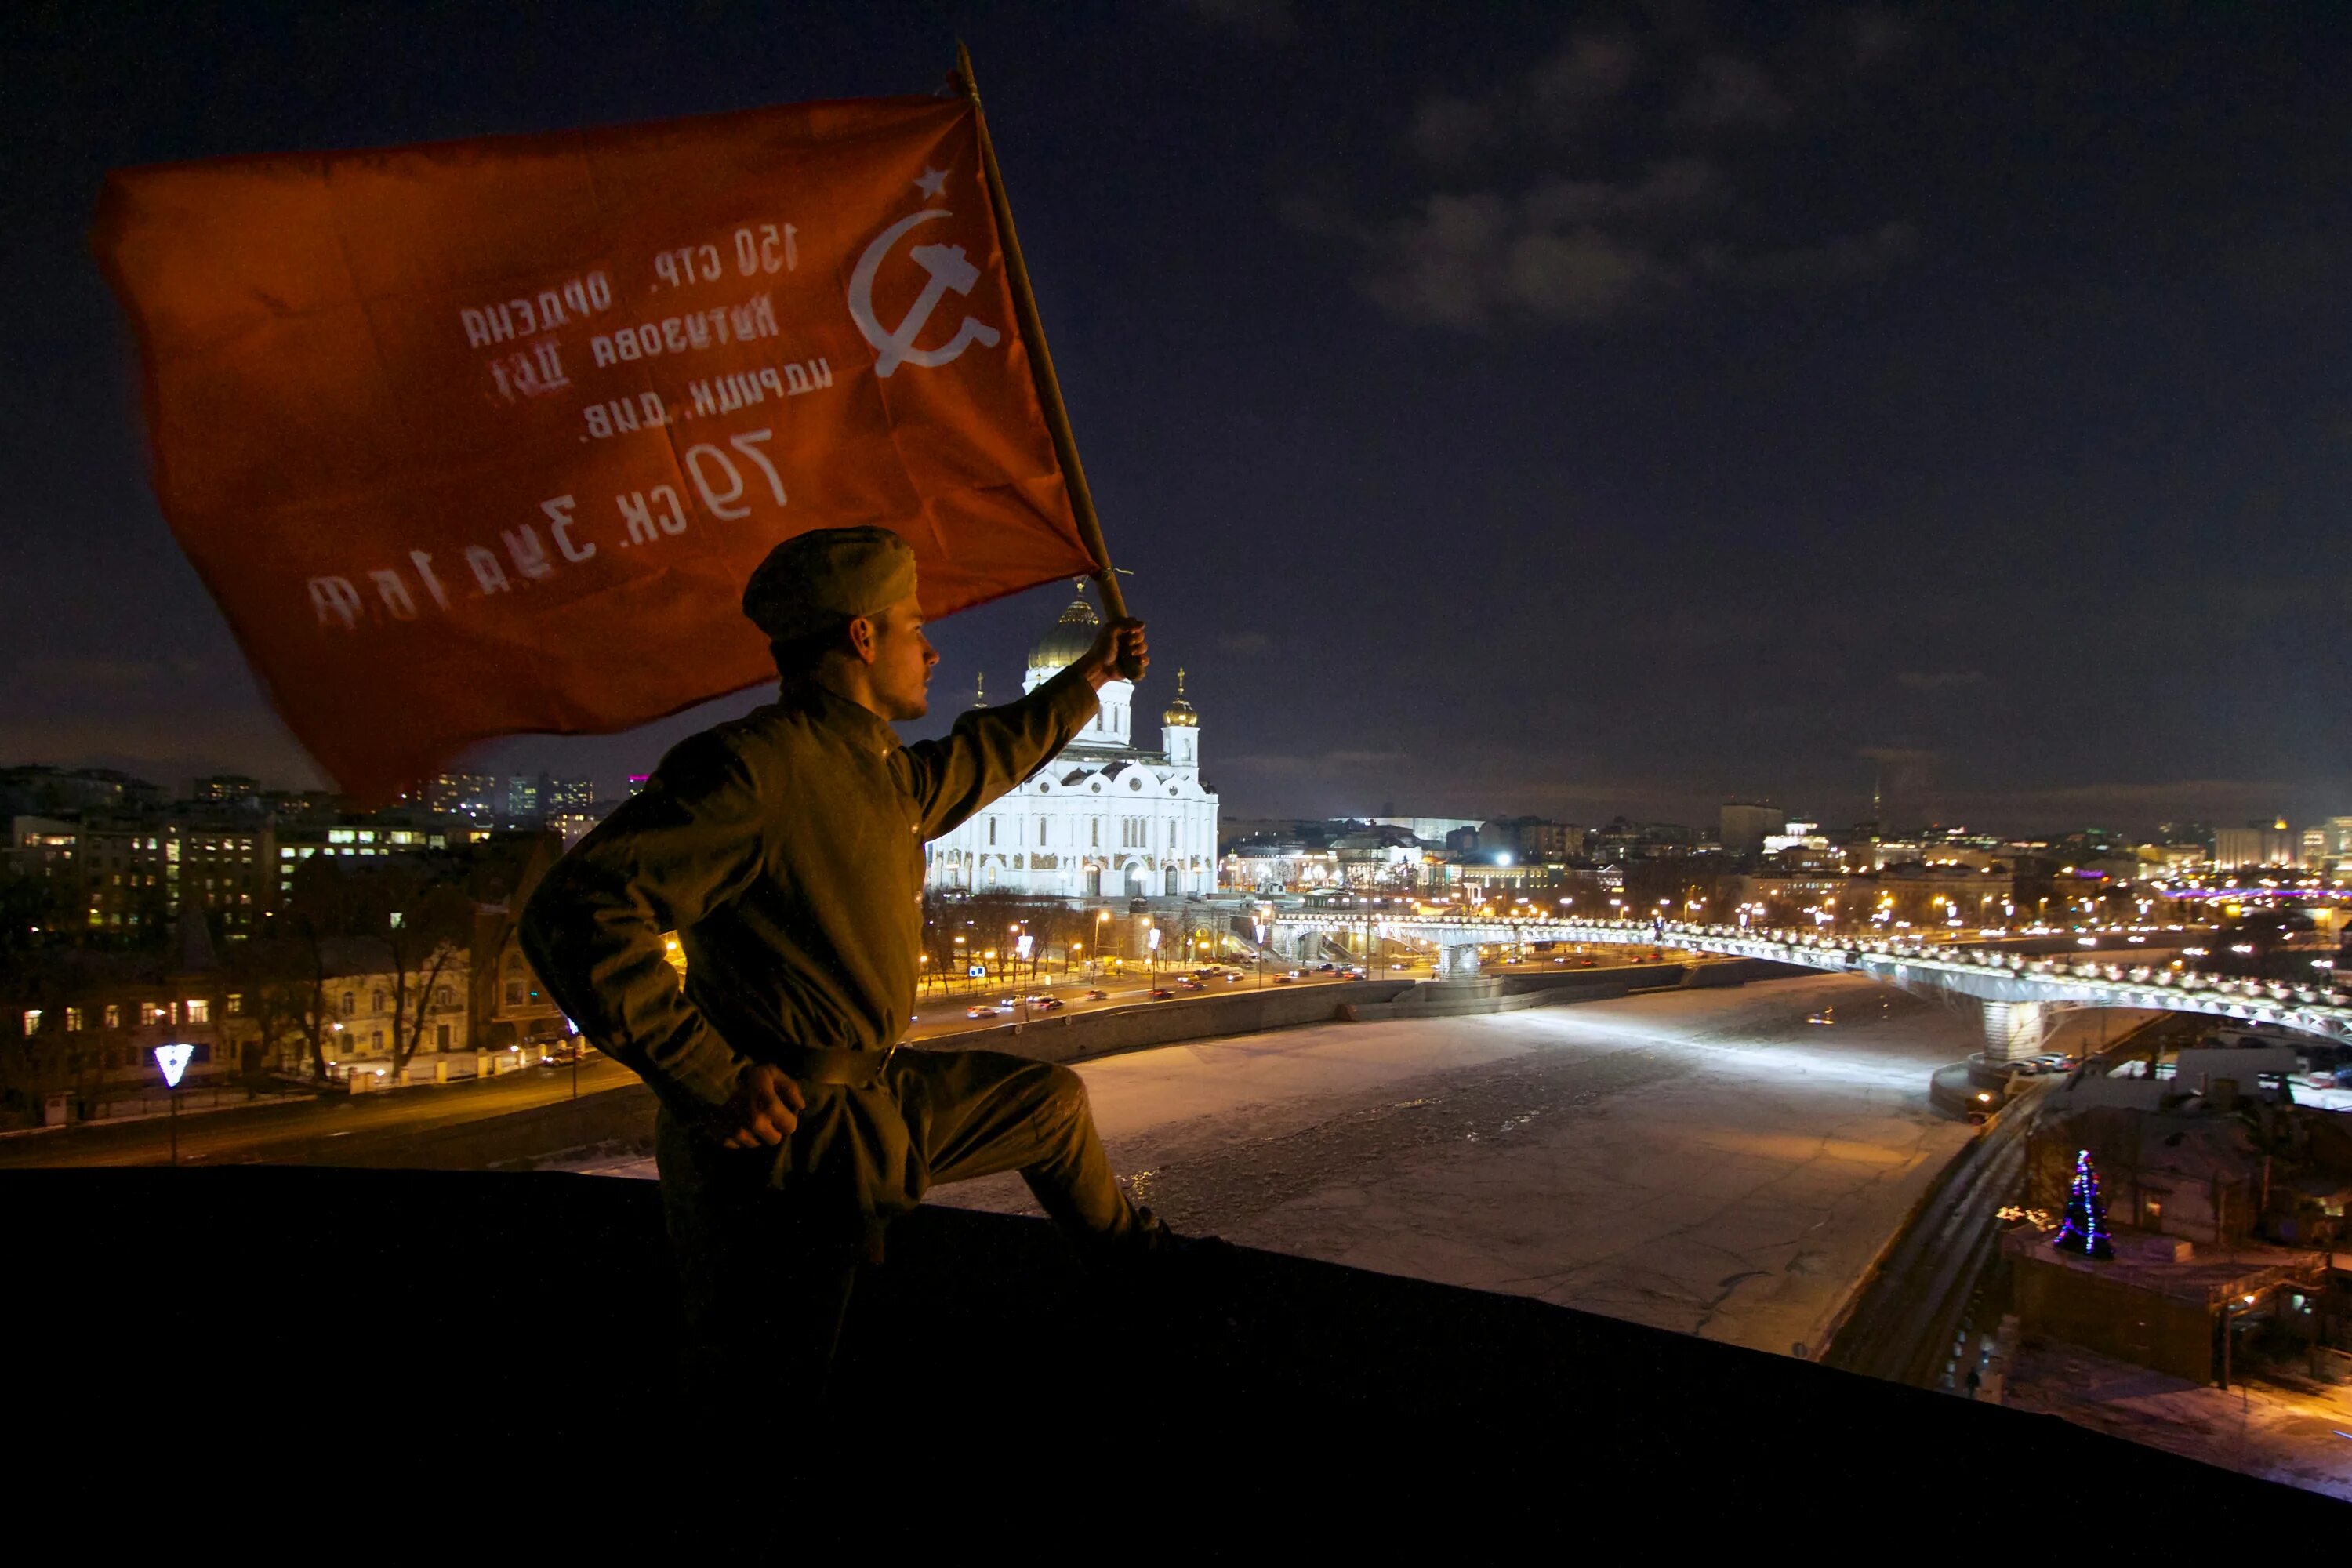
[{"x": 2084, "y": 1228}]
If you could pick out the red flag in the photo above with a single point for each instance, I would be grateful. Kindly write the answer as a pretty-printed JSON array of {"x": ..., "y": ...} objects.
[{"x": 484, "y": 437}]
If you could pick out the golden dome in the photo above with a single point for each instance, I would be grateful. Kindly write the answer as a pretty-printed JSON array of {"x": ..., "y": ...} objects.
[
  {"x": 1069, "y": 640},
  {"x": 1179, "y": 712}
]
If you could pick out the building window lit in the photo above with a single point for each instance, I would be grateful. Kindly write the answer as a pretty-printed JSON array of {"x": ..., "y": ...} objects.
[
  {"x": 235, "y": 1003},
  {"x": 73, "y": 1020},
  {"x": 197, "y": 1010},
  {"x": 32, "y": 1020},
  {"x": 351, "y": 1003},
  {"x": 114, "y": 1015},
  {"x": 153, "y": 1013}
]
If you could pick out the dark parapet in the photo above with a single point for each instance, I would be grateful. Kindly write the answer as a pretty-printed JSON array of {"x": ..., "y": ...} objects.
[{"x": 434, "y": 1313}]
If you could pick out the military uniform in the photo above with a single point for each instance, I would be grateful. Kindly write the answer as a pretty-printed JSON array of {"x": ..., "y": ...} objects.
[{"x": 786, "y": 851}]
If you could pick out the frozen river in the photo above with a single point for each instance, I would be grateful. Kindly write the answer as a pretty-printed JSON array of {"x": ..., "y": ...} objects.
[{"x": 1712, "y": 1162}]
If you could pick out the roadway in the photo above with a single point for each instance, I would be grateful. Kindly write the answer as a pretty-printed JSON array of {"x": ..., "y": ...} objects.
[
  {"x": 303, "y": 1131},
  {"x": 306, "y": 1130}
]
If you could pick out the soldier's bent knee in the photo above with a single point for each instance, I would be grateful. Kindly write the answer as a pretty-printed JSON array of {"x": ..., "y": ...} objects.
[{"x": 1065, "y": 1090}]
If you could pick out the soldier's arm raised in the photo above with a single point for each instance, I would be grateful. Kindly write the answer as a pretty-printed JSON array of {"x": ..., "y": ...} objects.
[
  {"x": 593, "y": 929},
  {"x": 992, "y": 750}
]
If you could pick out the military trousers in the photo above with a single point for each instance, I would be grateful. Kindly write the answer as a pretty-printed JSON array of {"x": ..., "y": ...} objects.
[{"x": 768, "y": 1240}]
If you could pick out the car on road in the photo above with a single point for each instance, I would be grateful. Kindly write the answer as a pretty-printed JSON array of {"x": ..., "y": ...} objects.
[
  {"x": 1325, "y": 968},
  {"x": 1285, "y": 978},
  {"x": 1826, "y": 1016},
  {"x": 1046, "y": 1004},
  {"x": 979, "y": 1012},
  {"x": 1188, "y": 984},
  {"x": 1098, "y": 996},
  {"x": 1162, "y": 995}
]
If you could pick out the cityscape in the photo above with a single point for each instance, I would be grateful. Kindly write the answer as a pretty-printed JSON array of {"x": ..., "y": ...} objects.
[{"x": 1670, "y": 844}]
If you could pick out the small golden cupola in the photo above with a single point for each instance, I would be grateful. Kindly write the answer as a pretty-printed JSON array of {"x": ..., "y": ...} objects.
[{"x": 1179, "y": 712}]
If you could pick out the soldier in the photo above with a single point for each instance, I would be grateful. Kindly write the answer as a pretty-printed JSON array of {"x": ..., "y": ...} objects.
[{"x": 786, "y": 851}]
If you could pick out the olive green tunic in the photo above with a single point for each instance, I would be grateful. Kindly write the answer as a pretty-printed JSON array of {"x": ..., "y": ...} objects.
[{"x": 786, "y": 851}]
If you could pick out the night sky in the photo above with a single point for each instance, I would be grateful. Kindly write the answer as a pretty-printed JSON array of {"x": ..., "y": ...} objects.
[{"x": 1571, "y": 413}]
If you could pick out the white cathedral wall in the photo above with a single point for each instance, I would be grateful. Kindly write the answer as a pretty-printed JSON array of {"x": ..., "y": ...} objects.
[{"x": 1147, "y": 831}]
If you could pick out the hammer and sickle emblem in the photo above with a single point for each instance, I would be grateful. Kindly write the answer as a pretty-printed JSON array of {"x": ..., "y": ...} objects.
[{"x": 949, "y": 269}]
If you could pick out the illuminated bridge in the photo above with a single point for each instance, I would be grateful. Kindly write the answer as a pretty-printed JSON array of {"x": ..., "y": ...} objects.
[{"x": 2015, "y": 988}]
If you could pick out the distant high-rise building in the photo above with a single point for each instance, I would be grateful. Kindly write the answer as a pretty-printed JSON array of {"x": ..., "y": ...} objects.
[
  {"x": 1531, "y": 838},
  {"x": 1744, "y": 824},
  {"x": 523, "y": 800},
  {"x": 474, "y": 795},
  {"x": 2255, "y": 844},
  {"x": 570, "y": 794}
]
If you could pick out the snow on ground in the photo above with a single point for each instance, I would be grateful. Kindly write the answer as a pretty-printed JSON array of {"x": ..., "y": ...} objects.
[
  {"x": 2303, "y": 1439},
  {"x": 1711, "y": 1161}
]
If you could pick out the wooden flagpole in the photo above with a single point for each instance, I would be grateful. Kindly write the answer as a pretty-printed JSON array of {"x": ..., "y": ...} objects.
[{"x": 1041, "y": 359}]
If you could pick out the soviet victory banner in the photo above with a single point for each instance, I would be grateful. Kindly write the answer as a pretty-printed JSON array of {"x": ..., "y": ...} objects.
[{"x": 484, "y": 437}]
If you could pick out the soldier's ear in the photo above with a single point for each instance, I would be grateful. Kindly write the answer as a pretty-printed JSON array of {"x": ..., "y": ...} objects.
[{"x": 862, "y": 637}]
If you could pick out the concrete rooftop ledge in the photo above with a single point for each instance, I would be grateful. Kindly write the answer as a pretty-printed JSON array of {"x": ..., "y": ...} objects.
[{"x": 434, "y": 1313}]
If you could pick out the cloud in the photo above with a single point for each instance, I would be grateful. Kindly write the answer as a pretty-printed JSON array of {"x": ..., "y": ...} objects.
[
  {"x": 1260, "y": 21},
  {"x": 1519, "y": 232},
  {"x": 1592, "y": 70},
  {"x": 1877, "y": 39},
  {"x": 1727, "y": 93},
  {"x": 1469, "y": 260},
  {"x": 1448, "y": 131},
  {"x": 1938, "y": 679},
  {"x": 1566, "y": 251},
  {"x": 1554, "y": 100}
]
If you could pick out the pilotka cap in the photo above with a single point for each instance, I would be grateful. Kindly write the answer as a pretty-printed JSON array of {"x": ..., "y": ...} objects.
[{"x": 816, "y": 580}]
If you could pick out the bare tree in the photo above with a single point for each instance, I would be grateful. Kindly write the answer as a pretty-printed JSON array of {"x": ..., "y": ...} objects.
[{"x": 426, "y": 923}]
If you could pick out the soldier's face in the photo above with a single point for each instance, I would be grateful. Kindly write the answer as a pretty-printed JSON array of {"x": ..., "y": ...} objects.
[{"x": 901, "y": 661}]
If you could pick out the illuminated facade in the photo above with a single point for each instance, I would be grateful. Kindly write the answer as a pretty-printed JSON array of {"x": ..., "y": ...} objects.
[{"x": 1105, "y": 817}]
